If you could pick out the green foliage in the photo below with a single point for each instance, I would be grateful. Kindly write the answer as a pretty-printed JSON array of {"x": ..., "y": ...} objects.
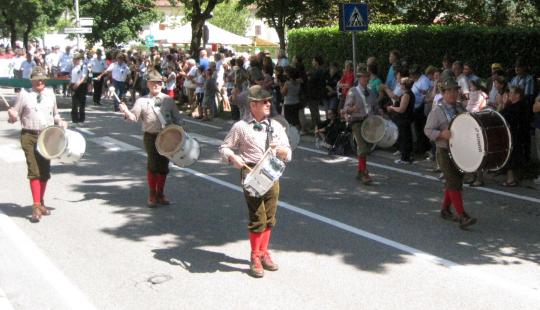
[
  {"x": 423, "y": 45},
  {"x": 231, "y": 17},
  {"x": 117, "y": 21}
]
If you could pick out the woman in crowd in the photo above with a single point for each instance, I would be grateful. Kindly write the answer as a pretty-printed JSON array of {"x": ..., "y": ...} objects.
[
  {"x": 291, "y": 97},
  {"x": 404, "y": 117}
]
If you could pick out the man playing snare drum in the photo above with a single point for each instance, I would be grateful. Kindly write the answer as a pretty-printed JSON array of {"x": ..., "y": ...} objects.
[
  {"x": 156, "y": 110},
  {"x": 252, "y": 136},
  {"x": 437, "y": 130},
  {"x": 37, "y": 110}
]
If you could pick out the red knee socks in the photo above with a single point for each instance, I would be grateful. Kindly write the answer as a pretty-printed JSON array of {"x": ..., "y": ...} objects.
[
  {"x": 151, "y": 180},
  {"x": 446, "y": 200},
  {"x": 35, "y": 187},
  {"x": 265, "y": 240},
  {"x": 255, "y": 240},
  {"x": 43, "y": 185},
  {"x": 160, "y": 182},
  {"x": 362, "y": 163},
  {"x": 457, "y": 200}
]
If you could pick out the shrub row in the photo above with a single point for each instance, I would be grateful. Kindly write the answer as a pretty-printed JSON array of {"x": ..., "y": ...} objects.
[{"x": 423, "y": 45}]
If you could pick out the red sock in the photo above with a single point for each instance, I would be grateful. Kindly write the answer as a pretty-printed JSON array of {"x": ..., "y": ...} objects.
[
  {"x": 265, "y": 240},
  {"x": 255, "y": 240},
  {"x": 446, "y": 200},
  {"x": 160, "y": 182},
  {"x": 35, "y": 187},
  {"x": 362, "y": 163},
  {"x": 457, "y": 200},
  {"x": 151, "y": 180},
  {"x": 43, "y": 187}
]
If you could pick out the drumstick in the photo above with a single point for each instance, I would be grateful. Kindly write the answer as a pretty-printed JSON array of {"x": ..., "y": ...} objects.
[
  {"x": 5, "y": 101},
  {"x": 247, "y": 167}
]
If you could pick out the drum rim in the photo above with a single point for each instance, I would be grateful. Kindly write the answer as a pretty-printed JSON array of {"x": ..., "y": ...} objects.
[
  {"x": 362, "y": 129},
  {"x": 177, "y": 148},
  {"x": 40, "y": 146}
]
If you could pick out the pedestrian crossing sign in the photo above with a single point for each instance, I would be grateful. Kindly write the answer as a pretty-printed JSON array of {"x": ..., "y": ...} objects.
[{"x": 353, "y": 17}]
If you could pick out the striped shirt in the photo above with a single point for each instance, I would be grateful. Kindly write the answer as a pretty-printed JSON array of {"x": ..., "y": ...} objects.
[{"x": 251, "y": 143}]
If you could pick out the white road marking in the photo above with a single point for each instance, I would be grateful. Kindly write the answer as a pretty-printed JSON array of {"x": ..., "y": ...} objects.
[
  {"x": 429, "y": 177},
  {"x": 488, "y": 278},
  {"x": 71, "y": 295},
  {"x": 201, "y": 124},
  {"x": 113, "y": 145},
  {"x": 205, "y": 139},
  {"x": 4, "y": 301},
  {"x": 12, "y": 153}
]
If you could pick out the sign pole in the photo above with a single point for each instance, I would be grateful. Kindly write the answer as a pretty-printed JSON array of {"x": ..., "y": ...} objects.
[
  {"x": 78, "y": 23},
  {"x": 354, "y": 52}
]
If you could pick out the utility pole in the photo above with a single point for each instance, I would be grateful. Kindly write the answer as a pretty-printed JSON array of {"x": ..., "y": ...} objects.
[{"x": 78, "y": 23}]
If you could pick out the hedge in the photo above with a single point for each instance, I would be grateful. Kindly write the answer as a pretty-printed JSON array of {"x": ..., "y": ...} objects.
[{"x": 423, "y": 45}]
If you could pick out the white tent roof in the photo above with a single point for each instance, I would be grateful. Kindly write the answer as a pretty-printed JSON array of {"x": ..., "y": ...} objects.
[{"x": 182, "y": 35}]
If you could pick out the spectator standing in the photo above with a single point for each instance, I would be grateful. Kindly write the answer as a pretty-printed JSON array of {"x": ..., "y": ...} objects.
[
  {"x": 27, "y": 66},
  {"x": 393, "y": 58},
  {"x": 404, "y": 117},
  {"x": 98, "y": 65},
  {"x": 66, "y": 65},
  {"x": 331, "y": 101},
  {"x": 315, "y": 89}
]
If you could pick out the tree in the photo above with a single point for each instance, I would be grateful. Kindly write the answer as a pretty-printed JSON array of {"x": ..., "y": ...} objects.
[
  {"x": 231, "y": 17},
  {"x": 198, "y": 14},
  {"x": 29, "y": 17},
  {"x": 118, "y": 21}
]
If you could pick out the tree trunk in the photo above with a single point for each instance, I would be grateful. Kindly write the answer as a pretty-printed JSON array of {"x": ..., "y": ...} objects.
[
  {"x": 280, "y": 29},
  {"x": 197, "y": 24},
  {"x": 26, "y": 34}
]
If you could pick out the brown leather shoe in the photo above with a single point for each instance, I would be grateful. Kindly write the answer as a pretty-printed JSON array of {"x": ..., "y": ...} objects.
[
  {"x": 267, "y": 262},
  {"x": 256, "y": 269},
  {"x": 162, "y": 200},
  {"x": 43, "y": 209},
  {"x": 36, "y": 213}
]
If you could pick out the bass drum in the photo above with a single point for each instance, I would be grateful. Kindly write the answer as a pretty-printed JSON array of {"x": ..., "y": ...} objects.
[
  {"x": 66, "y": 146},
  {"x": 291, "y": 131},
  {"x": 175, "y": 144},
  {"x": 379, "y": 131},
  {"x": 480, "y": 141}
]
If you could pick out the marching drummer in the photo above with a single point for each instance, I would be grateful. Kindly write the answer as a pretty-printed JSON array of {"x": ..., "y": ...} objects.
[
  {"x": 251, "y": 137},
  {"x": 156, "y": 110},
  {"x": 360, "y": 103},
  {"x": 37, "y": 110},
  {"x": 437, "y": 130}
]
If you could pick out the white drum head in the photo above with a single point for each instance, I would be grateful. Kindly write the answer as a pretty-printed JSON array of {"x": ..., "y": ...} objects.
[
  {"x": 170, "y": 140},
  {"x": 52, "y": 142},
  {"x": 467, "y": 145},
  {"x": 373, "y": 129}
]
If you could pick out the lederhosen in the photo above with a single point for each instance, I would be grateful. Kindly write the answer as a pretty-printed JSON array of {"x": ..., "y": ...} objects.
[
  {"x": 452, "y": 175},
  {"x": 156, "y": 163},
  {"x": 262, "y": 210}
]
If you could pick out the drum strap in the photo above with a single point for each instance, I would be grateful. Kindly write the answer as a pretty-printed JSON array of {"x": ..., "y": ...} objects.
[
  {"x": 158, "y": 112},
  {"x": 269, "y": 131}
]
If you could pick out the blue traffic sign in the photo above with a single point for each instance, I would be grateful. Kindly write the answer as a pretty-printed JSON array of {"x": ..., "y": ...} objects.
[
  {"x": 353, "y": 17},
  {"x": 149, "y": 40}
]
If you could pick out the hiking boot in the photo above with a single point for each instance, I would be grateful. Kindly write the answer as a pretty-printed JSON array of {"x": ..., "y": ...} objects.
[
  {"x": 162, "y": 200},
  {"x": 446, "y": 214},
  {"x": 152, "y": 200},
  {"x": 465, "y": 221},
  {"x": 43, "y": 209},
  {"x": 255, "y": 268},
  {"x": 267, "y": 262}
]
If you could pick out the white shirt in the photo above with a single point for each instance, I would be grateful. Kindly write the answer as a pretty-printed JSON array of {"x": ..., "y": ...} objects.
[
  {"x": 171, "y": 84},
  {"x": 37, "y": 115},
  {"x": 200, "y": 83},
  {"x": 98, "y": 65},
  {"x": 463, "y": 82},
  {"x": 17, "y": 62},
  {"x": 191, "y": 78},
  {"x": 26, "y": 68},
  {"x": 78, "y": 72},
  {"x": 120, "y": 72},
  {"x": 65, "y": 63},
  {"x": 419, "y": 89},
  {"x": 52, "y": 60}
]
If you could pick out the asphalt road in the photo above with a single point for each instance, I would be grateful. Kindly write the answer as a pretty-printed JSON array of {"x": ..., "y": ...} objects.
[{"x": 339, "y": 244}]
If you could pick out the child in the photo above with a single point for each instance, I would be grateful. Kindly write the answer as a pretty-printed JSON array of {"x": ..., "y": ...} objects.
[
  {"x": 199, "y": 91},
  {"x": 477, "y": 97}
]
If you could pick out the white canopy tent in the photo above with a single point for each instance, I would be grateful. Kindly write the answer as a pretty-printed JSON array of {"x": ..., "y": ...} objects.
[{"x": 182, "y": 35}]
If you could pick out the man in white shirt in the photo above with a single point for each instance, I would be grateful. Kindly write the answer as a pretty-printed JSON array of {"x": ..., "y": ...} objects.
[
  {"x": 27, "y": 66},
  {"x": 16, "y": 64},
  {"x": 66, "y": 64},
  {"x": 120, "y": 77},
  {"x": 98, "y": 65},
  {"x": 79, "y": 75},
  {"x": 421, "y": 86}
]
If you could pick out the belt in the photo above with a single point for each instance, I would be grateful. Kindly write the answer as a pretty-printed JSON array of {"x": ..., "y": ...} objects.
[
  {"x": 31, "y": 131},
  {"x": 152, "y": 133}
]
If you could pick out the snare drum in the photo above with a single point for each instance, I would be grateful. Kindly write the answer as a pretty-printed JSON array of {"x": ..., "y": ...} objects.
[
  {"x": 262, "y": 177},
  {"x": 175, "y": 144},
  {"x": 66, "y": 146},
  {"x": 480, "y": 141},
  {"x": 379, "y": 131}
]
